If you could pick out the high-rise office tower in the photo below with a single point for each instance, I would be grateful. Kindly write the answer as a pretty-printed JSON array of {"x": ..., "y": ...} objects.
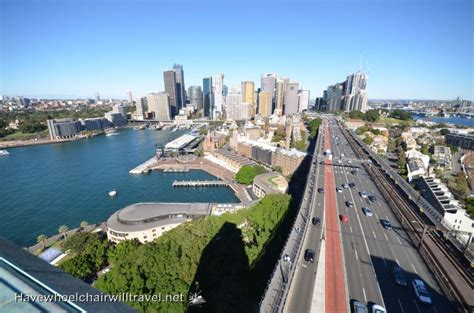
[
  {"x": 248, "y": 95},
  {"x": 172, "y": 90},
  {"x": 267, "y": 83},
  {"x": 180, "y": 89},
  {"x": 129, "y": 97},
  {"x": 195, "y": 96},
  {"x": 303, "y": 100},
  {"x": 208, "y": 99},
  {"x": 159, "y": 104},
  {"x": 97, "y": 97},
  {"x": 291, "y": 98},
  {"x": 140, "y": 106},
  {"x": 233, "y": 102},
  {"x": 355, "y": 92},
  {"x": 333, "y": 97},
  {"x": 225, "y": 90},
  {"x": 264, "y": 103},
  {"x": 218, "y": 93},
  {"x": 279, "y": 96}
]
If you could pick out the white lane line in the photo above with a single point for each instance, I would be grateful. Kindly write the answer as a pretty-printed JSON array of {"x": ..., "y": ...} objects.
[
  {"x": 374, "y": 234},
  {"x": 376, "y": 215},
  {"x": 350, "y": 227},
  {"x": 414, "y": 268},
  {"x": 398, "y": 263},
  {"x": 417, "y": 307},
  {"x": 357, "y": 257},
  {"x": 365, "y": 296},
  {"x": 385, "y": 236},
  {"x": 399, "y": 240},
  {"x": 401, "y": 306}
]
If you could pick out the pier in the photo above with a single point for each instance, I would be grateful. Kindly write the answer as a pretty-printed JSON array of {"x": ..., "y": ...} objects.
[
  {"x": 200, "y": 183},
  {"x": 176, "y": 170},
  {"x": 145, "y": 167}
]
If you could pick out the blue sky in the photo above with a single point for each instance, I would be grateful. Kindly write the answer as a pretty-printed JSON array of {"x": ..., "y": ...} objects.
[{"x": 73, "y": 48}]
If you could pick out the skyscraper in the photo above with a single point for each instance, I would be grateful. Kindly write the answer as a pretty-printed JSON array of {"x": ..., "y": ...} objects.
[
  {"x": 248, "y": 95},
  {"x": 159, "y": 104},
  {"x": 217, "y": 90},
  {"x": 332, "y": 97},
  {"x": 264, "y": 103},
  {"x": 233, "y": 104},
  {"x": 291, "y": 98},
  {"x": 180, "y": 89},
  {"x": 171, "y": 89},
  {"x": 208, "y": 99},
  {"x": 279, "y": 96},
  {"x": 267, "y": 83},
  {"x": 97, "y": 97},
  {"x": 140, "y": 105},
  {"x": 129, "y": 97},
  {"x": 195, "y": 96},
  {"x": 303, "y": 100},
  {"x": 355, "y": 92}
]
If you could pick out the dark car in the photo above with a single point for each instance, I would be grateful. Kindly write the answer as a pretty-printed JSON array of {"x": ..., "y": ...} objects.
[
  {"x": 309, "y": 255},
  {"x": 321, "y": 190},
  {"x": 372, "y": 198},
  {"x": 353, "y": 172},
  {"x": 399, "y": 276},
  {"x": 386, "y": 224},
  {"x": 352, "y": 185},
  {"x": 349, "y": 204},
  {"x": 316, "y": 221}
]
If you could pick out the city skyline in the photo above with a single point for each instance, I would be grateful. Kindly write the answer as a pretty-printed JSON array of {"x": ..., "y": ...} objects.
[{"x": 91, "y": 53}]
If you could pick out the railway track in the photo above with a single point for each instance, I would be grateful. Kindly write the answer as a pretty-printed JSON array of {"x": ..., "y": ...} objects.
[{"x": 455, "y": 279}]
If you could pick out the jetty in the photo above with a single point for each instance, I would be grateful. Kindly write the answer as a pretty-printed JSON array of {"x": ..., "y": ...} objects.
[
  {"x": 145, "y": 167},
  {"x": 200, "y": 183},
  {"x": 176, "y": 170}
]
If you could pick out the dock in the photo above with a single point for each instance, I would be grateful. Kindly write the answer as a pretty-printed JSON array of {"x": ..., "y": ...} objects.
[
  {"x": 200, "y": 183},
  {"x": 145, "y": 167},
  {"x": 176, "y": 170}
]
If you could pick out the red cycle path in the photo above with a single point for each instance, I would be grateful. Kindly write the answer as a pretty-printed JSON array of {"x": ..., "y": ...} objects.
[{"x": 335, "y": 299}]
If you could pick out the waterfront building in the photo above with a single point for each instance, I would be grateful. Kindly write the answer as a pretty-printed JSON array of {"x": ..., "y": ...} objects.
[
  {"x": 248, "y": 95},
  {"x": 148, "y": 221},
  {"x": 218, "y": 95},
  {"x": 180, "y": 88},
  {"x": 129, "y": 97},
  {"x": 159, "y": 104},
  {"x": 182, "y": 142},
  {"x": 140, "y": 106},
  {"x": 171, "y": 89},
  {"x": 269, "y": 183},
  {"x": 291, "y": 98},
  {"x": 94, "y": 123},
  {"x": 195, "y": 97},
  {"x": 117, "y": 119},
  {"x": 208, "y": 99},
  {"x": 303, "y": 100},
  {"x": 264, "y": 103},
  {"x": 66, "y": 128},
  {"x": 355, "y": 92},
  {"x": 119, "y": 108},
  {"x": 231, "y": 160}
]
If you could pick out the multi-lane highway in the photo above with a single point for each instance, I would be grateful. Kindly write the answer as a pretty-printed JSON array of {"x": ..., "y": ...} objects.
[{"x": 368, "y": 251}]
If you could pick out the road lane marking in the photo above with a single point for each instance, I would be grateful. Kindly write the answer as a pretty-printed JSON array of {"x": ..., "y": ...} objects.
[
  {"x": 376, "y": 215},
  {"x": 350, "y": 227},
  {"x": 365, "y": 296},
  {"x": 414, "y": 268},
  {"x": 385, "y": 236},
  {"x": 374, "y": 234},
  {"x": 417, "y": 307},
  {"x": 357, "y": 257},
  {"x": 401, "y": 306},
  {"x": 399, "y": 240},
  {"x": 398, "y": 263}
]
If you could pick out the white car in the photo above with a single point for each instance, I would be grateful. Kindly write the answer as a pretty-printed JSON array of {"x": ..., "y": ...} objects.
[
  {"x": 367, "y": 211},
  {"x": 378, "y": 309},
  {"x": 421, "y": 292},
  {"x": 363, "y": 194},
  {"x": 339, "y": 189}
]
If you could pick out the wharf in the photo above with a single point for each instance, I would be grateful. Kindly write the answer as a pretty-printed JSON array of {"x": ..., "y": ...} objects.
[
  {"x": 200, "y": 183},
  {"x": 176, "y": 170},
  {"x": 145, "y": 167}
]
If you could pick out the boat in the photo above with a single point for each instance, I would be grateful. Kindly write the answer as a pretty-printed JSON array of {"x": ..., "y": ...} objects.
[
  {"x": 4, "y": 152},
  {"x": 113, "y": 193}
]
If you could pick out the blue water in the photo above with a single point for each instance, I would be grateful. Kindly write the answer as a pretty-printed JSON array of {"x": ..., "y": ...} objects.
[
  {"x": 45, "y": 186},
  {"x": 448, "y": 120}
]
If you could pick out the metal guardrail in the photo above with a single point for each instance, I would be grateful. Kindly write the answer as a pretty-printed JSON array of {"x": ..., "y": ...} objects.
[{"x": 278, "y": 285}]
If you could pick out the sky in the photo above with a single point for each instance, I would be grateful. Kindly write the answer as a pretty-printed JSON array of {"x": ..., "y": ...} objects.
[{"x": 411, "y": 49}]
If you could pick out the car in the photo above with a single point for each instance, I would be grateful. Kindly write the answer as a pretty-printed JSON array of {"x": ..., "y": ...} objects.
[
  {"x": 358, "y": 307},
  {"x": 372, "y": 198},
  {"x": 338, "y": 189},
  {"x": 343, "y": 218},
  {"x": 421, "y": 292},
  {"x": 342, "y": 154},
  {"x": 386, "y": 224},
  {"x": 321, "y": 190},
  {"x": 316, "y": 221},
  {"x": 378, "y": 309},
  {"x": 349, "y": 161},
  {"x": 309, "y": 255},
  {"x": 367, "y": 211},
  {"x": 349, "y": 204},
  {"x": 322, "y": 162},
  {"x": 363, "y": 194},
  {"x": 345, "y": 186},
  {"x": 352, "y": 185},
  {"x": 353, "y": 172},
  {"x": 339, "y": 161},
  {"x": 399, "y": 276}
]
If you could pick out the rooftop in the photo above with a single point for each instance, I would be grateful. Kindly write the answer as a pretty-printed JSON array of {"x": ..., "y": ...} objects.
[
  {"x": 271, "y": 182},
  {"x": 180, "y": 142}
]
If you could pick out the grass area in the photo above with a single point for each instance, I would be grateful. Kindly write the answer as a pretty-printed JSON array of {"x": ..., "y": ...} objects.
[
  {"x": 391, "y": 120},
  {"x": 271, "y": 181},
  {"x": 24, "y": 136}
]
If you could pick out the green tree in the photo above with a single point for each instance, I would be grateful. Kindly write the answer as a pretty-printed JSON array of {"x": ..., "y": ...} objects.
[
  {"x": 63, "y": 230},
  {"x": 356, "y": 114},
  {"x": 277, "y": 138},
  {"x": 42, "y": 239},
  {"x": 78, "y": 242},
  {"x": 469, "y": 202},
  {"x": 362, "y": 129},
  {"x": 79, "y": 266},
  {"x": 372, "y": 115},
  {"x": 402, "y": 115},
  {"x": 444, "y": 131},
  {"x": 247, "y": 173},
  {"x": 368, "y": 140}
]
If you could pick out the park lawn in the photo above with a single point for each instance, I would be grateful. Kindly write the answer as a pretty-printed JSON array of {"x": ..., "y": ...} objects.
[
  {"x": 391, "y": 120},
  {"x": 24, "y": 136}
]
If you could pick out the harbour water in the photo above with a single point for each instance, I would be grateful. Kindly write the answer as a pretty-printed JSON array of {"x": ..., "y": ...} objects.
[
  {"x": 45, "y": 186},
  {"x": 448, "y": 120}
]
